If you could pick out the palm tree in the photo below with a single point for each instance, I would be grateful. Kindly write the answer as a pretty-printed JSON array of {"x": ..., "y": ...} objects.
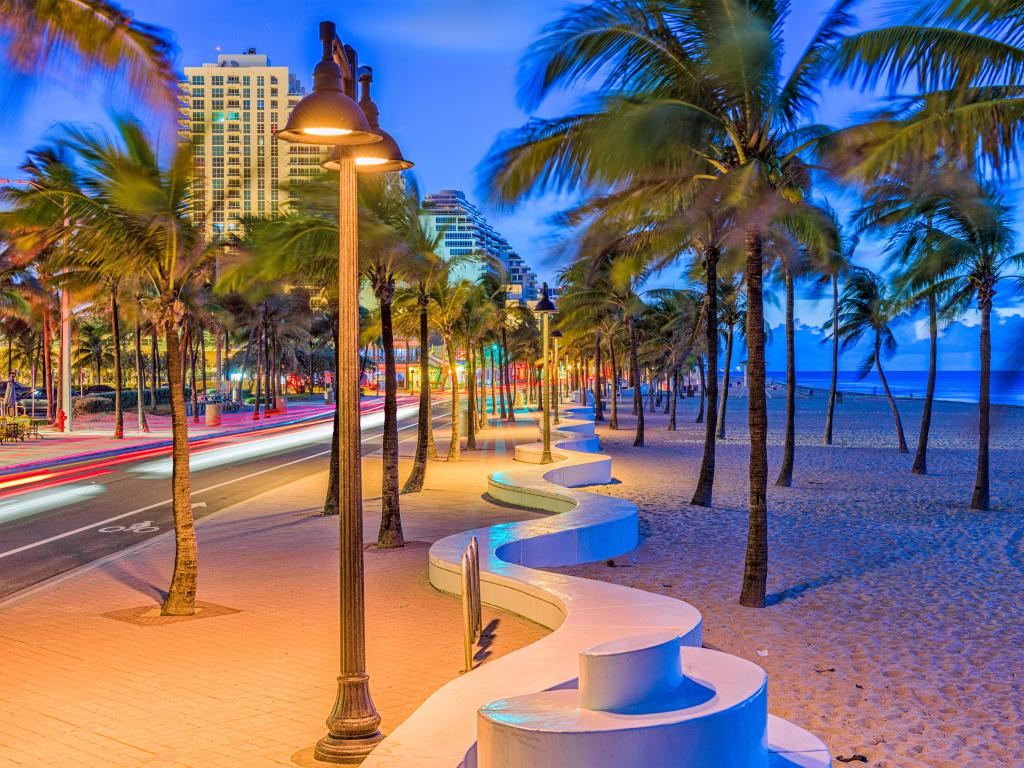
[
  {"x": 903, "y": 204},
  {"x": 132, "y": 215},
  {"x": 693, "y": 104},
  {"x": 448, "y": 300},
  {"x": 731, "y": 317},
  {"x": 834, "y": 265},
  {"x": 83, "y": 40},
  {"x": 971, "y": 251},
  {"x": 386, "y": 259},
  {"x": 427, "y": 266},
  {"x": 866, "y": 307},
  {"x": 94, "y": 347},
  {"x": 964, "y": 60}
]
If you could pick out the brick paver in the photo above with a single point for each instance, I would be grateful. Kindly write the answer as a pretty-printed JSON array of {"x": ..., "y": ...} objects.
[{"x": 253, "y": 685}]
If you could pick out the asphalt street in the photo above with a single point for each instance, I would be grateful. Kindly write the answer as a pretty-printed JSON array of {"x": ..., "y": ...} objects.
[{"x": 94, "y": 509}]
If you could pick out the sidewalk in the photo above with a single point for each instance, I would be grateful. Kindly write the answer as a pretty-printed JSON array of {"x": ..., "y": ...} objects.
[
  {"x": 90, "y": 678},
  {"x": 94, "y": 440}
]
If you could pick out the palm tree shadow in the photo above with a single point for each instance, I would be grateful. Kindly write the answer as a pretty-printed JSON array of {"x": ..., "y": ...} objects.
[
  {"x": 143, "y": 584},
  {"x": 858, "y": 568}
]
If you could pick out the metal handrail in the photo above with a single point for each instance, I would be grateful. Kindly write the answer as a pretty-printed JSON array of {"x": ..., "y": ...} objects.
[{"x": 472, "y": 608}]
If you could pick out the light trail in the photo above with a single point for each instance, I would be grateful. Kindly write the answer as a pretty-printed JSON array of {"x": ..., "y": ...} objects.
[
  {"x": 252, "y": 449},
  {"x": 83, "y": 492},
  {"x": 32, "y": 503}
]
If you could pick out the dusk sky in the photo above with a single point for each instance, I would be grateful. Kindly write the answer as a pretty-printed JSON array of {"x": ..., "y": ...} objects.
[{"x": 445, "y": 81}]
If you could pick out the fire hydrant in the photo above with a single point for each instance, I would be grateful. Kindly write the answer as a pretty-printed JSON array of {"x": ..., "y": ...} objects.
[{"x": 61, "y": 419}]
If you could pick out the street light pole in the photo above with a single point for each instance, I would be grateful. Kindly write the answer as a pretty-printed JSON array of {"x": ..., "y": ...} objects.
[
  {"x": 331, "y": 116},
  {"x": 545, "y": 308},
  {"x": 557, "y": 391}
]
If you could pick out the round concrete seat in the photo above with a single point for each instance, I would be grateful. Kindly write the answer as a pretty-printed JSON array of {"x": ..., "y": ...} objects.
[{"x": 716, "y": 717}]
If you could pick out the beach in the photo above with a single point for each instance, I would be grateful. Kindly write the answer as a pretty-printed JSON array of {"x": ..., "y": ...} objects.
[{"x": 894, "y": 628}]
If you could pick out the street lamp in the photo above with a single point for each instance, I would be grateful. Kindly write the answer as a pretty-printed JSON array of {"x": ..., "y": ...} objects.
[
  {"x": 545, "y": 308},
  {"x": 556, "y": 335},
  {"x": 330, "y": 116}
]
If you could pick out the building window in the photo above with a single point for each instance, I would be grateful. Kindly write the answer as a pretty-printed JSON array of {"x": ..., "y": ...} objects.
[
  {"x": 232, "y": 115},
  {"x": 217, "y": 117},
  {"x": 217, "y": 93},
  {"x": 197, "y": 80},
  {"x": 197, "y": 115},
  {"x": 273, "y": 80},
  {"x": 217, "y": 80},
  {"x": 233, "y": 80}
]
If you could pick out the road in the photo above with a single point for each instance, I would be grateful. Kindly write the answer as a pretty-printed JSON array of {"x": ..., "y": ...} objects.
[{"x": 91, "y": 510}]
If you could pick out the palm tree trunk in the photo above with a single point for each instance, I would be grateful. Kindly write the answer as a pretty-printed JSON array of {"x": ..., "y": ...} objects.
[
  {"x": 613, "y": 423},
  {"x": 704, "y": 492},
  {"x": 830, "y": 410},
  {"x": 493, "y": 393},
  {"x": 47, "y": 363},
  {"x": 453, "y": 447},
  {"x": 332, "y": 500},
  {"x": 480, "y": 383},
  {"x": 785, "y": 479},
  {"x": 154, "y": 370},
  {"x": 598, "y": 408},
  {"x": 115, "y": 327},
  {"x": 390, "y": 533},
  {"x": 675, "y": 396},
  {"x": 638, "y": 441},
  {"x": 181, "y": 596},
  {"x": 140, "y": 378},
  {"x": 202, "y": 355},
  {"x": 414, "y": 483},
  {"x": 510, "y": 393},
  {"x": 921, "y": 456},
  {"x": 980, "y": 498},
  {"x": 888, "y": 396},
  {"x": 755, "y": 567},
  {"x": 259, "y": 372},
  {"x": 193, "y": 346},
  {"x": 724, "y": 397},
  {"x": 703, "y": 390},
  {"x": 470, "y": 397}
]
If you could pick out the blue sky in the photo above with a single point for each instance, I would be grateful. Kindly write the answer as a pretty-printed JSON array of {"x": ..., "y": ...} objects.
[{"x": 445, "y": 81}]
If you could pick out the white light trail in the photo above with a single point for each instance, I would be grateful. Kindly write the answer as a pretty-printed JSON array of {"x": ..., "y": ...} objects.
[
  {"x": 45, "y": 500},
  {"x": 252, "y": 449}
]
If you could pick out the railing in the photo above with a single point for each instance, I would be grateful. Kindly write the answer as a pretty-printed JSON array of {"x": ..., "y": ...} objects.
[{"x": 472, "y": 609}]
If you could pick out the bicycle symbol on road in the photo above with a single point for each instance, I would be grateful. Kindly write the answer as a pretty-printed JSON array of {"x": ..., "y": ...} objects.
[{"x": 144, "y": 527}]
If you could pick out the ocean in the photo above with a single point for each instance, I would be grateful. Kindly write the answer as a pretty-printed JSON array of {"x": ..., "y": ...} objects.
[{"x": 959, "y": 386}]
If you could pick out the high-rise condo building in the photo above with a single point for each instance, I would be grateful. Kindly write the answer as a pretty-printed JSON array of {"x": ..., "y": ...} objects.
[
  {"x": 467, "y": 233},
  {"x": 229, "y": 113}
]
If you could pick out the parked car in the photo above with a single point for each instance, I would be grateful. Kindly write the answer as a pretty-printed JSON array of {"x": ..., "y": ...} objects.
[
  {"x": 98, "y": 389},
  {"x": 20, "y": 390}
]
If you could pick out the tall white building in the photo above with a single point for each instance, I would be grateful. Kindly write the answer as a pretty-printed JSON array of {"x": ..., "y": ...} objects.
[
  {"x": 229, "y": 113},
  {"x": 467, "y": 233}
]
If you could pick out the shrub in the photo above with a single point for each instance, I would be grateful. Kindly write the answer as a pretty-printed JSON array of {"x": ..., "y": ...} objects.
[{"x": 91, "y": 404}]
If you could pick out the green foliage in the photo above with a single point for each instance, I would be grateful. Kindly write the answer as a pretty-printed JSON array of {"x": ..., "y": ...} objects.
[{"x": 92, "y": 404}]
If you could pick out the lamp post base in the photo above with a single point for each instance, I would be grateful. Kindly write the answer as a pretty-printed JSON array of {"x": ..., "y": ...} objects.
[
  {"x": 348, "y": 751},
  {"x": 354, "y": 724}
]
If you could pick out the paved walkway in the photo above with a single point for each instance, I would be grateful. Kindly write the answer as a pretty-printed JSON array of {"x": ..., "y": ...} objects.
[{"x": 89, "y": 677}]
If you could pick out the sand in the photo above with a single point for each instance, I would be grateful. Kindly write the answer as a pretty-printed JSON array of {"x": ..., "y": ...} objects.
[{"x": 896, "y": 625}]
